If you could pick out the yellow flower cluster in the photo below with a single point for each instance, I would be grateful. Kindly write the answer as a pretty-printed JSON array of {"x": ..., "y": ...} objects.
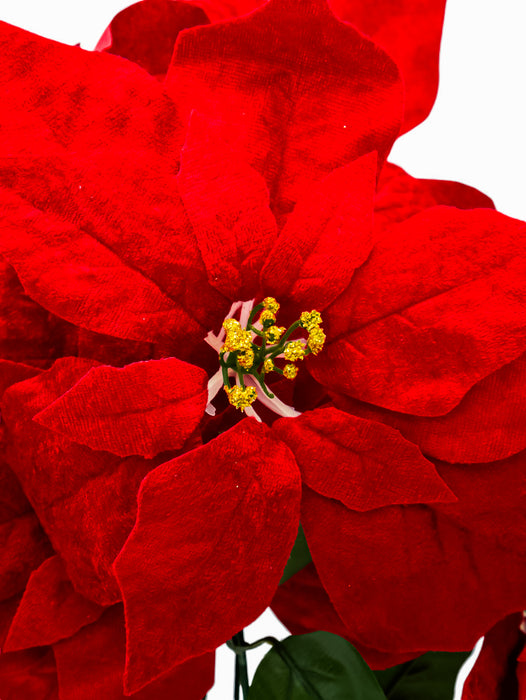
[
  {"x": 246, "y": 358},
  {"x": 316, "y": 340},
  {"x": 271, "y": 304},
  {"x": 310, "y": 320},
  {"x": 295, "y": 350},
  {"x": 290, "y": 371},
  {"x": 237, "y": 338},
  {"x": 274, "y": 333},
  {"x": 266, "y": 317},
  {"x": 268, "y": 365},
  {"x": 241, "y": 397}
]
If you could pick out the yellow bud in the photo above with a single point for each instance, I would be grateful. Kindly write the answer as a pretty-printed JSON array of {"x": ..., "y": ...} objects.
[
  {"x": 271, "y": 304},
  {"x": 290, "y": 371},
  {"x": 241, "y": 398},
  {"x": 294, "y": 351},
  {"x": 310, "y": 319},
  {"x": 268, "y": 365},
  {"x": 267, "y": 316},
  {"x": 230, "y": 324},
  {"x": 238, "y": 339},
  {"x": 274, "y": 333},
  {"x": 316, "y": 340},
  {"x": 246, "y": 358}
]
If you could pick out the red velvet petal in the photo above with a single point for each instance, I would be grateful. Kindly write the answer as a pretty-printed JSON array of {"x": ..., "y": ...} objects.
[
  {"x": 85, "y": 500},
  {"x": 303, "y": 606},
  {"x": 57, "y": 97},
  {"x": 300, "y": 91},
  {"x": 28, "y": 333},
  {"x": 400, "y": 196},
  {"x": 410, "y": 32},
  {"x": 213, "y": 533},
  {"x": 91, "y": 664},
  {"x": 146, "y": 32},
  {"x": 70, "y": 273},
  {"x": 326, "y": 238},
  {"x": 129, "y": 202},
  {"x": 493, "y": 676},
  {"x": 142, "y": 409},
  {"x": 227, "y": 203},
  {"x": 363, "y": 464},
  {"x": 227, "y": 9},
  {"x": 488, "y": 424},
  {"x": 8, "y": 610},
  {"x": 50, "y": 609},
  {"x": 23, "y": 544},
  {"x": 28, "y": 675},
  {"x": 438, "y": 306},
  {"x": 13, "y": 372},
  {"x": 399, "y": 576}
]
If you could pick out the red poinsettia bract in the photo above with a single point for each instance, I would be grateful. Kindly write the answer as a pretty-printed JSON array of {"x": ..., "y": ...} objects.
[{"x": 134, "y": 214}]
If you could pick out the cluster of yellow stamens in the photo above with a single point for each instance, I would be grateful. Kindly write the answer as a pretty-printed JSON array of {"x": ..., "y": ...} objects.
[
  {"x": 253, "y": 351},
  {"x": 241, "y": 397},
  {"x": 310, "y": 320}
]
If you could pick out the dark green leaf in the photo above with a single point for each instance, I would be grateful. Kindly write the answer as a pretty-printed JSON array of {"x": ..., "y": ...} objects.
[
  {"x": 431, "y": 676},
  {"x": 299, "y": 557},
  {"x": 316, "y": 666}
]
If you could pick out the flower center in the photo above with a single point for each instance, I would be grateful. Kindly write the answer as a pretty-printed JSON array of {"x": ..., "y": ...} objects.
[{"x": 253, "y": 347}]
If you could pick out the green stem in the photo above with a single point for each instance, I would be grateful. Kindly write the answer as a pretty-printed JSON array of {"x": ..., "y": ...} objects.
[
  {"x": 253, "y": 313},
  {"x": 283, "y": 342},
  {"x": 241, "y": 678}
]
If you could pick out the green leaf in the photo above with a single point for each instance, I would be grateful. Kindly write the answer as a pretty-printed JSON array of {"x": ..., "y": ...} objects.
[
  {"x": 431, "y": 676},
  {"x": 316, "y": 666},
  {"x": 299, "y": 557}
]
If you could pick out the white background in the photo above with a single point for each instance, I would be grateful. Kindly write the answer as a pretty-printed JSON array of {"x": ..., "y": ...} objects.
[{"x": 475, "y": 133}]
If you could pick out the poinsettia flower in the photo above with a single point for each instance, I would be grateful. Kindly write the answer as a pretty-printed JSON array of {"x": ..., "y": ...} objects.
[
  {"x": 409, "y": 31},
  {"x": 111, "y": 229}
]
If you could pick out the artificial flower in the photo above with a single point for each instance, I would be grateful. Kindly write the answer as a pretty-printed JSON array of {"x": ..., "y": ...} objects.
[{"x": 140, "y": 215}]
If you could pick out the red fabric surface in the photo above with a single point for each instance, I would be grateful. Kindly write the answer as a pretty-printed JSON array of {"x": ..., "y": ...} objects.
[
  {"x": 87, "y": 501},
  {"x": 29, "y": 675},
  {"x": 87, "y": 100},
  {"x": 326, "y": 238},
  {"x": 300, "y": 92},
  {"x": 50, "y": 609},
  {"x": 423, "y": 285},
  {"x": 23, "y": 544},
  {"x": 75, "y": 276},
  {"x": 28, "y": 333},
  {"x": 390, "y": 571},
  {"x": 494, "y": 675},
  {"x": 488, "y": 424},
  {"x": 399, "y": 196},
  {"x": 409, "y": 31},
  {"x": 142, "y": 409},
  {"x": 146, "y": 32},
  {"x": 90, "y": 665},
  {"x": 227, "y": 204},
  {"x": 7, "y": 612},
  {"x": 363, "y": 464},
  {"x": 228, "y": 520},
  {"x": 303, "y": 606}
]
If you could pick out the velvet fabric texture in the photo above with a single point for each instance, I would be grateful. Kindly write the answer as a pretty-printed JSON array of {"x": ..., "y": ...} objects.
[{"x": 135, "y": 210}]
